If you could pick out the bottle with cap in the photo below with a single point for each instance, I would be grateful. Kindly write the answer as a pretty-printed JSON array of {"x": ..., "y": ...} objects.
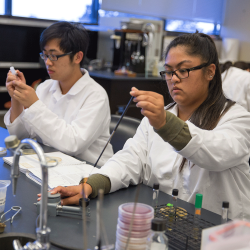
[
  {"x": 197, "y": 214},
  {"x": 175, "y": 196},
  {"x": 156, "y": 187},
  {"x": 224, "y": 214},
  {"x": 157, "y": 240}
]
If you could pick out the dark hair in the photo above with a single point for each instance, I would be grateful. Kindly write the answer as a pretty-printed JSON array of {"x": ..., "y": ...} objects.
[
  {"x": 225, "y": 66},
  {"x": 241, "y": 65},
  {"x": 208, "y": 114},
  {"x": 73, "y": 37}
]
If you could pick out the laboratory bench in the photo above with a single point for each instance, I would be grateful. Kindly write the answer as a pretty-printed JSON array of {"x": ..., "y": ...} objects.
[{"x": 67, "y": 231}]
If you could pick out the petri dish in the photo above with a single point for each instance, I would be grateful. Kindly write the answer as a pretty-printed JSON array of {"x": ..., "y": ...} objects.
[
  {"x": 135, "y": 227},
  {"x": 142, "y": 211},
  {"x": 133, "y": 234}
]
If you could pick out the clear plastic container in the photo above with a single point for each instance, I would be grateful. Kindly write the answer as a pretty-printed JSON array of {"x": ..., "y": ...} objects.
[
  {"x": 133, "y": 234},
  {"x": 3, "y": 190},
  {"x": 135, "y": 227}
]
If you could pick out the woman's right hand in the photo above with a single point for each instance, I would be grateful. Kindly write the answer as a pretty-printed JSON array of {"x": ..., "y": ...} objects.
[{"x": 71, "y": 195}]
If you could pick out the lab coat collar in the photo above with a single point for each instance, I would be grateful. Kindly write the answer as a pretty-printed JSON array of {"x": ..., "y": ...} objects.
[
  {"x": 76, "y": 88},
  {"x": 173, "y": 110},
  {"x": 80, "y": 84}
]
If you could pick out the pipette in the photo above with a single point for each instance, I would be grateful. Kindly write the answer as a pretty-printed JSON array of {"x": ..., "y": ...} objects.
[{"x": 124, "y": 112}]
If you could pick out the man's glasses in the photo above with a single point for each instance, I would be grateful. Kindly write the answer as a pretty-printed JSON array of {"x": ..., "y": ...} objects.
[
  {"x": 52, "y": 57},
  {"x": 180, "y": 73}
]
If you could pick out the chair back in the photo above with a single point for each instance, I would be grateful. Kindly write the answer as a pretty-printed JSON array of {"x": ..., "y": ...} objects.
[{"x": 125, "y": 130}]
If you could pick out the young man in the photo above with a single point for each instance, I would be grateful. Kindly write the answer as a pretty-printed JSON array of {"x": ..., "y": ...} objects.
[{"x": 69, "y": 112}]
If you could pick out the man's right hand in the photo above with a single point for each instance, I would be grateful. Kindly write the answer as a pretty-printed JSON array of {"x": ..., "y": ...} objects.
[
  {"x": 71, "y": 195},
  {"x": 9, "y": 81}
]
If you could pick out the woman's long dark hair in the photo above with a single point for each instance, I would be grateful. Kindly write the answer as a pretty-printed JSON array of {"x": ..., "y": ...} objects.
[{"x": 208, "y": 114}]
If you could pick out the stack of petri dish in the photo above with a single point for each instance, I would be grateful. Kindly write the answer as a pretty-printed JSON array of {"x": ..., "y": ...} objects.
[{"x": 140, "y": 229}]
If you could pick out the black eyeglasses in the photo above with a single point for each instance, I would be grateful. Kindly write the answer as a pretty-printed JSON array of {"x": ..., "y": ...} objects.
[
  {"x": 180, "y": 73},
  {"x": 52, "y": 57}
]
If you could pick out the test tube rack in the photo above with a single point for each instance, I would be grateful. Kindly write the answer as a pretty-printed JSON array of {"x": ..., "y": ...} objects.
[{"x": 181, "y": 230}]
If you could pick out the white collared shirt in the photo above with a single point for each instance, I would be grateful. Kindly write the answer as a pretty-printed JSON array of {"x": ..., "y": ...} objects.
[
  {"x": 76, "y": 123},
  {"x": 221, "y": 170}
]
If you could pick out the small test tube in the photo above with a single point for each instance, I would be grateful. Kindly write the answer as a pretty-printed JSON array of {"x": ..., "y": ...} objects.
[
  {"x": 198, "y": 205},
  {"x": 13, "y": 70},
  {"x": 156, "y": 187},
  {"x": 197, "y": 214},
  {"x": 224, "y": 214},
  {"x": 175, "y": 197}
]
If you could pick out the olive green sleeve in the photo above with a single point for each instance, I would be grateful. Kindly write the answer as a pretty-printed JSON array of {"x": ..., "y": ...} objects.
[
  {"x": 175, "y": 132},
  {"x": 98, "y": 181}
]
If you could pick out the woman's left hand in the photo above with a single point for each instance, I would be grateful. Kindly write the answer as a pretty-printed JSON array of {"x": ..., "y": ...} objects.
[{"x": 152, "y": 106}]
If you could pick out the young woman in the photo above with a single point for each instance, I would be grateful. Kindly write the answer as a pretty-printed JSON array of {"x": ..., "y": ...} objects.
[{"x": 198, "y": 144}]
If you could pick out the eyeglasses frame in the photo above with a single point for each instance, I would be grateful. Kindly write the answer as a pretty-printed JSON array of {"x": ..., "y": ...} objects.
[
  {"x": 57, "y": 56},
  {"x": 188, "y": 70}
]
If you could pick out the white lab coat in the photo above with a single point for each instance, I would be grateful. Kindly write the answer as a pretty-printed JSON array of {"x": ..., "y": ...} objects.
[
  {"x": 220, "y": 173},
  {"x": 236, "y": 86},
  {"x": 76, "y": 123}
]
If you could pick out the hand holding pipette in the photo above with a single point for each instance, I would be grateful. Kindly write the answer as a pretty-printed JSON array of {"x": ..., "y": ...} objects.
[{"x": 152, "y": 106}]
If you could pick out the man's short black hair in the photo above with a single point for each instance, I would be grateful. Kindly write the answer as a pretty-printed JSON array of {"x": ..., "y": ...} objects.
[{"x": 73, "y": 37}]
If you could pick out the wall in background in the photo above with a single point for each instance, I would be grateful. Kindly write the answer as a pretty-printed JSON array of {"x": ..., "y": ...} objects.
[
  {"x": 236, "y": 25},
  {"x": 198, "y": 10}
]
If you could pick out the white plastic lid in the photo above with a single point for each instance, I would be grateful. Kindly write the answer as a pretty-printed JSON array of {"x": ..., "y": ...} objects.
[{"x": 142, "y": 211}]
